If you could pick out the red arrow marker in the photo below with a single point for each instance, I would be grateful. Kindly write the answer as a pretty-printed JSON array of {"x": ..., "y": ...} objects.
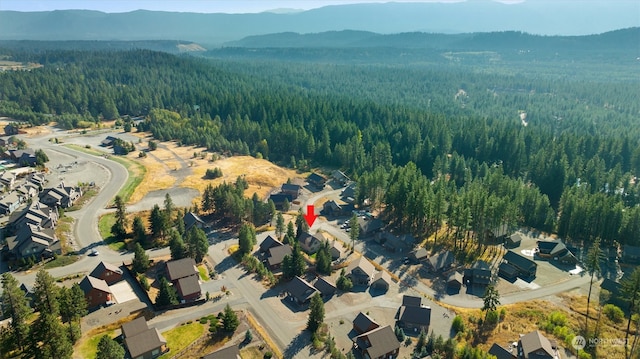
[{"x": 311, "y": 215}]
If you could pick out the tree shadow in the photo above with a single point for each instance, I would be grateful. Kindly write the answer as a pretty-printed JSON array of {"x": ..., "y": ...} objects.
[
  {"x": 302, "y": 340},
  {"x": 439, "y": 288},
  {"x": 226, "y": 263}
]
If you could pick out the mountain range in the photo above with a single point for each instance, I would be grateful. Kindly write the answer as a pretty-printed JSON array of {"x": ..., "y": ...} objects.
[{"x": 561, "y": 17}]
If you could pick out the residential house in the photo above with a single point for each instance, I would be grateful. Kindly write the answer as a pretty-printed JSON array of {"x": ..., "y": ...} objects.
[
  {"x": 141, "y": 341},
  {"x": 441, "y": 261},
  {"x": 96, "y": 291},
  {"x": 27, "y": 190},
  {"x": 534, "y": 345},
  {"x": 29, "y": 293},
  {"x": 300, "y": 291},
  {"x": 336, "y": 249},
  {"x": 60, "y": 196},
  {"x": 515, "y": 265},
  {"x": 310, "y": 244},
  {"x": 11, "y": 129},
  {"x": 10, "y": 203},
  {"x": 37, "y": 178},
  {"x": 340, "y": 177},
  {"x": 316, "y": 180},
  {"x": 413, "y": 316},
  {"x": 500, "y": 352},
  {"x": 8, "y": 179},
  {"x": 499, "y": 233},
  {"x": 191, "y": 219},
  {"x": 108, "y": 141},
  {"x": 269, "y": 243},
  {"x": 411, "y": 301},
  {"x": 381, "y": 281},
  {"x": 325, "y": 287},
  {"x": 37, "y": 214},
  {"x": 26, "y": 157},
  {"x": 34, "y": 241},
  {"x": 369, "y": 227},
  {"x": 108, "y": 272},
  {"x": 364, "y": 323},
  {"x": 557, "y": 251},
  {"x": 232, "y": 352},
  {"x": 332, "y": 208},
  {"x": 630, "y": 254},
  {"x": 291, "y": 189},
  {"x": 513, "y": 241},
  {"x": 419, "y": 254},
  {"x": 183, "y": 273},
  {"x": 348, "y": 194},
  {"x": 478, "y": 275},
  {"x": 279, "y": 199},
  {"x": 378, "y": 343},
  {"x": 361, "y": 271},
  {"x": 276, "y": 255},
  {"x": 392, "y": 242},
  {"x": 454, "y": 281}
]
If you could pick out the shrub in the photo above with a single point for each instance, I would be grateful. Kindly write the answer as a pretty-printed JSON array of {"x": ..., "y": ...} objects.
[
  {"x": 268, "y": 355},
  {"x": 144, "y": 282},
  {"x": 458, "y": 324},
  {"x": 492, "y": 317},
  {"x": 614, "y": 313},
  {"x": 213, "y": 173}
]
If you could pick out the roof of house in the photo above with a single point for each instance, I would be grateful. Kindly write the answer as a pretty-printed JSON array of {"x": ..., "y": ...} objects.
[
  {"x": 188, "y": 285},
  {"x": 280, "y": 197},
  {"x": 415, "y": 315},
  {"x": 411, "y": 301},
  {"x": 134, "y": 327},
  {"x": 382, "y": 276},
  {"x": 363, "y": 321},
  {"x": 337, "y": 246},
  {"x": 381, "y": 341},
  {"x": 519, "y": 261},
  {"x": 454, "y": 277},
  {"x": 277, "y": 254},
  {"x": 480, "y": 265},
  {"x": 314, "y": 177},
  {"x": 10, "y": 199},
  {"x": 333, "y": 205},
  {"x": 144, "y": 342},
  {"x": 611, "y": 286},
  {"x": 339, "y": 175},
  {"x": 26, "y": 288},
  {"x": 442, "y": 260},
  {"x": 349, "y": 191},
  {"x": 300, "y": 289},
  {"x": 88, "y": 283},
  {"x": 535, "y": 341},
  {"x": 628, "y": 250},
  {"x": 500, "y": 353},
  {"x": 307, "y": 241},
  {"x": 180, "y": 268},
  {"x": 103, "y": 266},
  {"x": 551, "y": 247},
  {"x": 369, "y": 225},
  {"x": 420, "y": 253},
  {"x": 363, "y": 264},
  {"x": 508, "y": 269},
  {"x": 515, "y": 238},
  {"x": 324, "y": 286},
  {"x": 269, "y": 242},
  {"x": 290, "y": 187},
  {"x": 232, "y": 352},
  {"x": 190, "y": 219}
]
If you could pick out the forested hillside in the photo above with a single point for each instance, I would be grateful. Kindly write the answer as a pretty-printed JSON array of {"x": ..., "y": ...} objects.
[{"x": 429, "y": 144}]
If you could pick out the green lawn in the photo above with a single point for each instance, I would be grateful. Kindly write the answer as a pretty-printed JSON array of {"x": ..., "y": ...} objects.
[
  {"x": 105, "y": 223},
  {"x": 61, "y": 261},
  {"x": 89, "y": 348},
  {"x": 180, "y": 337},
  {"x": 204, "y": 274}
]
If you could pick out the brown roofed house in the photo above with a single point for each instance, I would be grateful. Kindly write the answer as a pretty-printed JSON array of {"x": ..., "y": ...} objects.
[
  {"x": 141, "y": 341},
  {"x": 378, "y": 343},
  {"x": 96, "y": 291},
  {"x": 184, "y": 276},
  {"x": 361, "y": 271},
  {"x": 300, "y": 291},
  {"x": 364, "y": 323},
  {"x": 232, "y": 352},
  {"x": 534, "y": 345},
  {"x": 107, "y": 272}
]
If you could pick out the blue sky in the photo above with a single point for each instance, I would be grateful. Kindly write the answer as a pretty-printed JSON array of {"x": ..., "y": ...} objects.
[{"x": 205, "y": 6}]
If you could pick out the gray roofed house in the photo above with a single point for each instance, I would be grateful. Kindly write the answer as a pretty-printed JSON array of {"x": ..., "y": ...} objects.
[
  {"x": 191, "y": 219},
  {"x": 181, "y": 268},
  {"x": 479, "y": 274},
  {"x": 188, "y": 288},
  {"x": 534, "y": 345},
  {"x": 269, "y": 243},
  {"x": 142, "y": 341},
  {"x": 441, "y": 261},
  {"x": 361, "y": 271},
  {"x": 326, "y": 288},
  {"x": 316, "y": 180},
  {"x": 411, "y": 301},
  {"x": 27, "y": 190},
  {"x": 232, "y": 352},
  {"x": 525, "y": 267},
  {"x": 26, "y": 157},
  {"x": 291, "y": 189},
  {"x": 336, "y": 250},
  {"x": 381, "y": 281},
  {"x": 310, "y": 243},
  {"x": 37, "y": 178},
  {"x": 454, "y": 280},
  {"x": 10, "y": 203},
  {"x": 279, "y": 199},
  {"x": 419, "y": 254},
  {"x": 513, "y": 241},
  {"x": 332, "y": 207},
  {"x": 31, "y": 240},
  {"x": 364, "y": 323},
  {"x": 340, "y": 177},
  {"x": 348, "y": 194},
  {"x": 8, "y": 179},
  {"x": 500, "y": 352},
  {"x": 275, "y": 256},
  {"x": 37, "y": 213},
  {"x": 414, "y": 318},
  {"x": 300, "y": 291},
  {"x": 60, "y": 195},
  {"x": 378, "y": 343},
  {"x": 369, "y": 226}
]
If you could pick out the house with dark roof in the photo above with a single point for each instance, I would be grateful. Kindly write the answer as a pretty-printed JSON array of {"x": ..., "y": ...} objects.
[
  {"x": 454, "y": 281},
  {"x": 514, "y": 263},
  {"x": 108, "y": 272},
  {"x": 108, "y": 141},
  {"x": 340, "y": 177},
  {"x": 316, "y": 180},
  {"x": 31, "y": 240},
  {"x": 513, "y": 241},
  {"x": 279, "y": 199},
  {"x": 10, "y": 203},
  {"x": 60, "y": 195},
  {"x": 269, "y": 243},
  {"x": 557, "y": 251},
  {"x": 183, "y": 273},
  {"x": 326, "y": 288},
  {"x": 419, "y": 254},
  {"x": 630, "y": 254},
  {"x": 500, "y": 352},
  {"x": 348, "y": 194},
  {"x": 441, "y": 261},
  {"x": 478, "y": 275},
  {"x": 310, "y": 243},
  {"x": 364, "y": 323},
  {"x": 381, "y": 281},
  {"x": 26, "y": 157},
  {"x": 191, "y": 219},
  {"x": 377, "y": 343},
  {"x": 141, "y": 341},
  {"x": 291, "y": 189},
  {"x": 411, "y": 301},
  {"x": 232, "y": 352},
  {"x": 276, "y": 255},
  {"x": 37, "y": 214},
  {"x": 11, "y": 129},
  {"x": 361, "y": 271},
  {"x": 534, "y": 345},
  {"x": 332, "y": 208},
  {"x": 414, "y": 318},
  {"x": 96, "y": 291},
  {"x": 615, "y": 290},
  {"x": 37, "y": 178},
  {"x": 300, "y": 291},
  {"x": 369, "y": 227},
  {"x": 29, "y": 293},
  {"x": 336, "y": 249}
]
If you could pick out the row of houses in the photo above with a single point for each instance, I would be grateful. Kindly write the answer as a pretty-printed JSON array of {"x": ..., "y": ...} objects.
[
  {"x": 272, "y": 251},
  {"x": 361, "y": 272},
  {"x": 18, "y": 192}
]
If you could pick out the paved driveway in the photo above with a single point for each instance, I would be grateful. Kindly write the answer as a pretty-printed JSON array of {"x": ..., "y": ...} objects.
[{"x": 123, "y": 292}]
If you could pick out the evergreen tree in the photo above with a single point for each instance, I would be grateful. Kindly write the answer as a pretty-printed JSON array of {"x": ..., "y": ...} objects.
[
  {"x": 630, "y": 290},
  {"x": 139, "y": 230},
  {"x": 354, "y": 231},
  {"x": 41, "y": 157},
  {"x": 291, "y": 231},
  {"x": 323, "y": 259},
  {"x": 167, "y": 294},
  {"x": 280, "y": 227},
  {"x": 159, "y": 222},
  {"x": 140, "y": 261},
  {"x": 109, "y": 349},
  {"x": 344, "y": 283},
  {"x": 169, "y": 207},
  {"x": 73, "y": 304},
  {"x": 177, "y": 246},
  {"x": 197, "y": 243},
  {"x": 179, "y": 222},
  {"x": 301, "y": 224},
  {"x": 49, "y": 339},
  {"x": 491, "y": 299},
  {"x": 230, "y": 320},
  {"x": 46, "y": 294},
  {"x": 246, "y": 238},
  {"x": 316, "y": 313},
  {"x": 119, "y": 228},
  {"x": 16, "y": 307},
  {"x": 592, "y": 265}
]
